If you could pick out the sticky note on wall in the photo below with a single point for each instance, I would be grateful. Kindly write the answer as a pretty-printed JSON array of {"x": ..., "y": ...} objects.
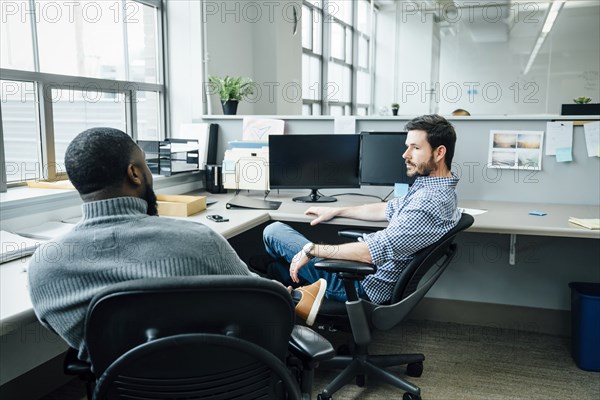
[{"x": 564, "y": 154}]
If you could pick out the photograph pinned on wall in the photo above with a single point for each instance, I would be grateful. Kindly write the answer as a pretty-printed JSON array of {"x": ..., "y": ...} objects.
[{"x": 516, "y": 150}]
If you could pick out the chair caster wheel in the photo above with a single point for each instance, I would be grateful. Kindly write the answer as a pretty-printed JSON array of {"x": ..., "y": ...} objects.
[
  {"x": 410, "y": 396},
  {"x": 414, "y": 369},
  {"x": 322, "y": 396}
]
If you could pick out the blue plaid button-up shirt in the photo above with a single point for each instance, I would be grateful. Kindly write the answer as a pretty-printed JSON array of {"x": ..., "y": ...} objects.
[{"x": 421, "y": 217}]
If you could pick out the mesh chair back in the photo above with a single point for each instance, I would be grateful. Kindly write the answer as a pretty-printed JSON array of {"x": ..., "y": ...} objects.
[
  {"x": 428, "y": 259},
  {"x": 418, "y": 277},
  {"x": 146, "y": 323}
]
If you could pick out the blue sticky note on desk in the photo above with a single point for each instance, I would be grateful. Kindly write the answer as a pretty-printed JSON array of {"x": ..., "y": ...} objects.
[
  {"x": 400, "y": 189},
  {"x": 564, "y": 154}
]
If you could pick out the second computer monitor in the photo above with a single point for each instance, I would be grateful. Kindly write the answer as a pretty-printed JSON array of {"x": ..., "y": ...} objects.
[
  {"x": 314, "y": 162},
  {"x": 381, "y": 159}
]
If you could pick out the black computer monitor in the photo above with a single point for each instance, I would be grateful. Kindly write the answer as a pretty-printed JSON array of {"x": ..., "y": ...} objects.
[
  {"x": 381, "y": 159},
  {"x": 314, "y": 162}
]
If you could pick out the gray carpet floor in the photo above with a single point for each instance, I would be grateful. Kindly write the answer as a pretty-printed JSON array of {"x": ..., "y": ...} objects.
[
  {"x": 462, "y": 362},
  {"x": 478, "y": 363}
]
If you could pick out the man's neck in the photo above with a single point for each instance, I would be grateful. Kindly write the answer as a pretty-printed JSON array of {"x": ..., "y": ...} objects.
[
  {"x": 441, "y": 172},
  {"x": 105, "y": 194}
]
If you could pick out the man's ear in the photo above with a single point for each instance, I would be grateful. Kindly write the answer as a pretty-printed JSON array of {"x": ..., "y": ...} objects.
[
  {"x": 439, "y": 153},
  {"x": 134, "y": 175}
]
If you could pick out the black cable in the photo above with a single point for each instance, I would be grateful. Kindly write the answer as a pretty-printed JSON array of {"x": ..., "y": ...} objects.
[{"x": 385, "y": 198}]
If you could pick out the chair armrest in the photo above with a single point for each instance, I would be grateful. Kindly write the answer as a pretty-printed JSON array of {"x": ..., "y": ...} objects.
[
  {"x": 353, "y": 233},
  {"x": 74, "y": 366},
  {"x": 350, "y": 267},
  {"x": 309, "y": 346}
]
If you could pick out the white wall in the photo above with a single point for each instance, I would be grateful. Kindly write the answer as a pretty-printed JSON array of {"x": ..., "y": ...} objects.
[
  {"x": 255, "y": 40},
  {"x": 403, "y": 61},
  {"x": 414, "y": 60}
]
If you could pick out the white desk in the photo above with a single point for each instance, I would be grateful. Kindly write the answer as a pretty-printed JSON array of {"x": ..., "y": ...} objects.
[{"x": 501, "y": 217}]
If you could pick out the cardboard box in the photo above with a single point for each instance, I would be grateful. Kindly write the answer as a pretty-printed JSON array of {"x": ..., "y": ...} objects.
[
  {"x": 180, "y": 206},
  {"x": 62, "y": 184}
]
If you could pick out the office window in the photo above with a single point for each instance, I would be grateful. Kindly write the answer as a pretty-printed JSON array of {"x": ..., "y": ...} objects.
[
  {"x": 20, "y": 129},
  {"x": 77, "y": 65},
  {"x": 364, "y": 74},
  {"x": 340, "y": 83},
  {"x": 344, "y": 28},
  {"x": 87, "y": 42},
  {"x": 148, "y": 121},
  {"x": 341, "y": 9},
  {"x": 75, "y": 111},
  {"x": 16, "y": 45},
  {"x": 142, "y": 41},
  {"x": 312, "y": 57}
]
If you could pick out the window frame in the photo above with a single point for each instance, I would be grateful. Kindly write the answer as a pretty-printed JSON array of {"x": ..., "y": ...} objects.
[
  {"x": 352, "y": 106},
  {"x": 45, "y": 82}
]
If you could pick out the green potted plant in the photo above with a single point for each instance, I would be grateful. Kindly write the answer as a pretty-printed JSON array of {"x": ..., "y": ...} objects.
[
  {"x": 582, "y": 100},
  {"x": 395, "y": 108},
  {"x": 231, "y": 90},
  {"x": 583, "y": 106}
]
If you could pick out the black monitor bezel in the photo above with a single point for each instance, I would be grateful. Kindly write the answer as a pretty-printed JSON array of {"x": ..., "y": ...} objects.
[
  {"x": 354, "y": 185},
  {"x": 407, "y": 179}
]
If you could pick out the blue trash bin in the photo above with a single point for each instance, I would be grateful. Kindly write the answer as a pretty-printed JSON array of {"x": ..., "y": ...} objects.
[{"x": 585, "y": 325}]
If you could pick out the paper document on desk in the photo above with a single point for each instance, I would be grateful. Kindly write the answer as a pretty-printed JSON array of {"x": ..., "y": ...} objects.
[
  {"x": 471, "y": 211},
  {"x": 590, "y": 223},
  {"x": 15, "y": 246}
]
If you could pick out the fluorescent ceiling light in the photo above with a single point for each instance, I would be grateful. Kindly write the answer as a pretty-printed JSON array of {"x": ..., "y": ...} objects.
[
  {"x": 548, "y": 24},
  {"x": 552, "y": 14}
]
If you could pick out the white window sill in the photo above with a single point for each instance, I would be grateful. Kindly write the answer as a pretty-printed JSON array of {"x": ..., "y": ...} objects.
[{"x": 20, "y": 201}]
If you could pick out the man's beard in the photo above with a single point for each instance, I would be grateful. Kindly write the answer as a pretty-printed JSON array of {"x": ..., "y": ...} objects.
[
  {"x": 150, "y": 198},
  {"x": 423, "y": 169}
]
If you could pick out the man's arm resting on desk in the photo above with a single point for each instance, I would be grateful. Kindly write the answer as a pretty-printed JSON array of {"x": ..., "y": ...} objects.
[{"x": 366, "y": 212}]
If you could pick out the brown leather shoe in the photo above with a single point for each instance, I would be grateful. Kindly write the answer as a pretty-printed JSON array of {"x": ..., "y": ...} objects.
[{"x": 312, "y": 296}]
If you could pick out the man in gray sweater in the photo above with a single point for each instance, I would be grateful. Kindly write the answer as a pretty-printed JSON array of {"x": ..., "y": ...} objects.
[{"x": 120, "y": 237}]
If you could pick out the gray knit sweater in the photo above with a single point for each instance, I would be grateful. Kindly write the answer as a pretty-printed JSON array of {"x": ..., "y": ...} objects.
[{"x": 116, "y": 241}]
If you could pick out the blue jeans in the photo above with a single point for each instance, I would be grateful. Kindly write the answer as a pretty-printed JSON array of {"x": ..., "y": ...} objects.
[{"x": 283, "y": 242}]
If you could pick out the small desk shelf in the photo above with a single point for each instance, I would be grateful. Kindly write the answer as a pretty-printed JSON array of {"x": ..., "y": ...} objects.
[{"x": 171, "y": 156}]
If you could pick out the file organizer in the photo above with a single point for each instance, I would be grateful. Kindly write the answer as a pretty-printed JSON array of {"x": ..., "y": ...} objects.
[{"x": 171, "y": 156}]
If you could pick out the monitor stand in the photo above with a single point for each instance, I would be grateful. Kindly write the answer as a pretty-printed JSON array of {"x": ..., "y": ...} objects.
[{"x": 313, "y": 197}]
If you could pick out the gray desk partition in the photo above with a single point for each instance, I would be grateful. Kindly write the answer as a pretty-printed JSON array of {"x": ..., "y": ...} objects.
[{"x": 575, "y": 182}]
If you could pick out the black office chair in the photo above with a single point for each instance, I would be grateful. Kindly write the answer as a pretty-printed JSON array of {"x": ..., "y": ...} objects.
[
  {"x": 364, "y": 317},
  {"x": 218, "y": 337}
]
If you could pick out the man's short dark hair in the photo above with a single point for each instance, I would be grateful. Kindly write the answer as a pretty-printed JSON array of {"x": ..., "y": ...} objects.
[
  {"x": 439, "y": 132},
  {"x": 98, "y": 158}
]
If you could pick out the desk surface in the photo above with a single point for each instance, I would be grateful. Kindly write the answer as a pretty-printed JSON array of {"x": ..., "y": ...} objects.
[
  {"x": 505, "y": 218},
  {"x": 501, "y": 217}
]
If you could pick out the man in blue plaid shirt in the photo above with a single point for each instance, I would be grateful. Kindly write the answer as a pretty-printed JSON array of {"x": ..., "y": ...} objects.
[{"x": 416, "y": 220}]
